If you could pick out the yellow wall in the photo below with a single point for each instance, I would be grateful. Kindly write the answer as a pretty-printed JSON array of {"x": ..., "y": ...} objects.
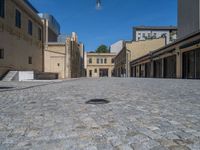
[
  {"x": 132, "y": 51},
  {"x": 64, "y": 58},
  {"x": 94, "y": 65},
  {"x": 176, "y": 49},
  {"x": 55, "y": 58},
  {"x": 18, "y": 45},
  {"x": 141, "y": 48}
]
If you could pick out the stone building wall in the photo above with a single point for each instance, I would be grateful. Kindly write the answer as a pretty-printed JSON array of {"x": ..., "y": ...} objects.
[
  {"x": 100, "y": 67},
  {"x": 22, "y": 51}
]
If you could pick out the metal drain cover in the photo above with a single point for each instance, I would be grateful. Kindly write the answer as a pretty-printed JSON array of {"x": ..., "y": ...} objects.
[
  {"x": 97, "y": 101},
  {"x": 32, "y": 102}
]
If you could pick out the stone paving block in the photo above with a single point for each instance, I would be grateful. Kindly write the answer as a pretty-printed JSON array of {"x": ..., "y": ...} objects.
[
  {"x": 115, "y": 141},
  {"x": 194, "y": 146},
  {"x": 141, "y": 115},
  {"x": 179, "y": 148},
  {"x": 123, "y": 147},
  {"x": 145, "y": 145},
  {"x": 159, "y": 148}
]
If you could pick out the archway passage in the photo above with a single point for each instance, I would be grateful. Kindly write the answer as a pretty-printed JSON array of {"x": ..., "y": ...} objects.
[{"x": 103, "y": 72}]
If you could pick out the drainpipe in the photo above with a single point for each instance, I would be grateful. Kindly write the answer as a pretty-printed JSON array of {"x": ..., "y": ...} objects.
[
  {"x": 127, "y": 62},
  {"x": 152, "y": 66},
  {"x": 164, "y": 35}
]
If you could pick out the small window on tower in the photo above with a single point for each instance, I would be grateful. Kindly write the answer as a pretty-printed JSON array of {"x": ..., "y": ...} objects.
[
  {"x": 39, "y": 34},
  {"x": 30, "y": 60},
  {"x": 1, "y": 53},
  {"x": 2, "y": 8},
  {"x": 17, "y": 18},
  {"x": 30, "y": 27}
]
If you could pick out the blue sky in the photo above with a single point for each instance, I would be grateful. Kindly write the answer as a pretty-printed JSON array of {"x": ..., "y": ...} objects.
[{"x": 110, "y": 24}]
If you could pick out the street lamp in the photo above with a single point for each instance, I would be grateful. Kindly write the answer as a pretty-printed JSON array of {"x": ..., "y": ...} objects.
[{"x": 98, "y": 4}]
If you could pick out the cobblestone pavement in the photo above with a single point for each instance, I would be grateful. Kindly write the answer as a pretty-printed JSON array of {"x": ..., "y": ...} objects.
[{"x": 143, "y": 114}]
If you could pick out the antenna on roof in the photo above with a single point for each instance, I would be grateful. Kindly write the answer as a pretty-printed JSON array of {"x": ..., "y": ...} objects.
[{"x": 98, "y": 4}]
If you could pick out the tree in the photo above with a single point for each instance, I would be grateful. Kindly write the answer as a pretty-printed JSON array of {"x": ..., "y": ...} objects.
[{"x": 102, "y": 49}]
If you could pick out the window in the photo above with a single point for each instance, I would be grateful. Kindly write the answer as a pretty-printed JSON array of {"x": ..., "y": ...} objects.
[
  {"x": 2, "y": 8},
  {"x": 191, "y": 62},
  {"x": 101, "y": 60},
  {"x": 164, "y": 35},
  {"x": 105, "y": 61},
  {"x": 97, "y": 60},
  {"x": 95, "y": 70},
  {"x": 17, "y": 19},
  {"x": 149, "y": 35},
  {"x": 90, "y": 60},
  {"x": 143, "y": 35},
  {"x": 1, "y": 53},
  {"x": 29, "y": 60},
  {"x": 155, "y": 34},
  {"x": 30, "y": 27},
  {"x": 197, "y": 64},
  {"x": 39, "y": 34},
  {"x": 90, "y": 73},
  {"x": 112, "y": 60}
]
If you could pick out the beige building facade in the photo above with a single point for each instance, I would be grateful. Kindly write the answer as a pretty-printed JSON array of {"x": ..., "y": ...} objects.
[
  {"x": 132, "y": 50},
  {"x": 100, "y": 64},
  {"x": 55, "y": 59},
  {"x": 65, "y": 59},
  {"x": 141, "y": 33},
  {"x": 180, "y": 59},
  {"x": 21, "y": 38}
]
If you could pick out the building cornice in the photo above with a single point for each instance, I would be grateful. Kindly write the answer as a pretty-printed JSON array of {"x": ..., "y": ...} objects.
[{"x": 155, "y": 28}]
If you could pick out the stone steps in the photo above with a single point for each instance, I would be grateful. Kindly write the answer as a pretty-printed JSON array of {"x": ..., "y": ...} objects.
[{"x": 10, "y": 76}]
